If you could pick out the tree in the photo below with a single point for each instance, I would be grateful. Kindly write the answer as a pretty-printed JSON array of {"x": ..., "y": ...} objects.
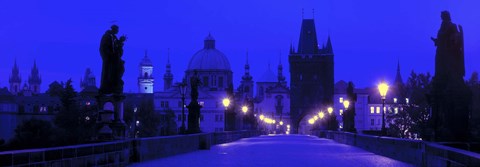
[
  {"x": 149, "y": 120},
  {"x": 415, "y": 116},
  {"x": 55, "y": 89},
  {"x": 34, "y": 133},
  {"x": 75, "y": 125}
]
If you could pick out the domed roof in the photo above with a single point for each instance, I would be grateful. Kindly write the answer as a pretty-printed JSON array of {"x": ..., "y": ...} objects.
[
  {"x": 209, "y": 58},
  {"x": 268, "y": 76}
]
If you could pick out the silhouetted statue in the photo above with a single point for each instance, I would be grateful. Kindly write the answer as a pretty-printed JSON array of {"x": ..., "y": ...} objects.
[
  {"x": 449, "y": 59},
  {"x": 450, "y": 98},
  {"x": 111, "y": 51},
  {"x": 194, "y": 107}
]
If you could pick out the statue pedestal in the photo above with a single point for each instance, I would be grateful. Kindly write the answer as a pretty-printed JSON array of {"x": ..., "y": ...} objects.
[
  {"x": 193, "y": 117},
  {"x": 110, "y": 124}
]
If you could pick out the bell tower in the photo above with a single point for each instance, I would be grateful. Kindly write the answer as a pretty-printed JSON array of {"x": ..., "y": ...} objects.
[{"x": 145, "y": 78}]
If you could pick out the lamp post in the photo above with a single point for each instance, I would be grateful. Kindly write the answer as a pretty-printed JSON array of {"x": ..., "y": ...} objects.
[
  {"x": 135, "y": 122},
  {"x": 383, "y": 88},
  {"x": 329, "y": 120},
  {"x": 226, "y": 103},
  {"x": 183, "y": 90},
  {"x": 244, "y": 110},
  {"x": 346, "y": 119}
]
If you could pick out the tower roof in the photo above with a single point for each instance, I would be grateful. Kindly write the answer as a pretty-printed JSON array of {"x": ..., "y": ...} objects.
[
  {"x": 34, "y": 76},
  {"x": 398, "y": 77},
  {"x": 329, "y": 48},
  {"x": 15, "y": 77},
  {"x": 308, "y": 43},
  {"x": 146, "y": 61}
]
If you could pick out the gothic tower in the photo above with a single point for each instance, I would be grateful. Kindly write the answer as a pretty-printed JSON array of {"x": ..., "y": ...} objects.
[
  {"x": 15, "y": 80},
  {"x": 145, "y": 79},
  {"x": 34, "y": 80},
  {"x": 311, "y": 75},
  {"x": 168, "y": 76}
]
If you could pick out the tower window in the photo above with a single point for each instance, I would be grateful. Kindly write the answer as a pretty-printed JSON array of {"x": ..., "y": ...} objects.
[
  {"x": 340, "y": 100},
  {"x": 220, "y": 82},
  {"x": 372, "y": 110},
  {"x": 145, "y": 75},
  {"x": 146, "y": 88},
  {"x": 394, "y": 100},
  {"x": 205, "y": 81}
]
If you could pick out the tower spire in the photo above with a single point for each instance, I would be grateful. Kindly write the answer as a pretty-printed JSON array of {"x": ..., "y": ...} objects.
[
  {"x": 329, "y": 48},
  {"x": 168, "y": 76},
  {"x": 398, "y": 77},
  {"x": 247, "y": 76}
]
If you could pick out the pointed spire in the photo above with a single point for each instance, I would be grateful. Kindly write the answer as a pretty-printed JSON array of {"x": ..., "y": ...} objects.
[
  {"x": 34, "y": 80},
  {"x": 291, "y": 48},
  {"x": 329, "y": 48},
  {"x": 168, "y": 76},
  {"x": 308, "y": 44},
  {"x": 209, "y": 42},
  {"x": 398, "y": 77},
  {"x": 168, "y": 56},
  {"x": 313, "y": 13},
  {"x": 247, "y": 76}
]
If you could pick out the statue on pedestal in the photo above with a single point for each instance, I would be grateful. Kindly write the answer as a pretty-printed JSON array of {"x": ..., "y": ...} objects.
[
  {"x": 111, "y": 51},
  {"x": 194, "y": 107},
  {"x": 450, "y": 97}
]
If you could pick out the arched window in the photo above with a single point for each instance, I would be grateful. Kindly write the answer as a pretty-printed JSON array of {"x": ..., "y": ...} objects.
[{"x": 145, "y": 75}]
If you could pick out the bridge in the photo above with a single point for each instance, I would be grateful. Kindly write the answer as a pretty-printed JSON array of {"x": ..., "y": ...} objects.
[
  {"x": 248, "y": 148},
  {"x": 278, "y": 150}
]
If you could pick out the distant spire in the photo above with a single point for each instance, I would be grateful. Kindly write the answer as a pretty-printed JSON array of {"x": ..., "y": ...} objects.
[
  {"x": 313, "y": 13},
  {"x": 168, "y": 76},
  {"x": 329, "y": 48},
  {"x": 168, "y": 55},
  {"x": 302, "y": 13},
  {"x": 308, "y": 44},
  {"x": 398, "y": 77},
  {"x": 291, "y": 48},
  {"x": 247, "y": 76},
  {"x": 281, "y": 78}
]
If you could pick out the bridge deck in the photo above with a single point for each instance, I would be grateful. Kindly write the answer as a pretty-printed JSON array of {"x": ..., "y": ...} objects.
[{"x": 277, "y": 151}]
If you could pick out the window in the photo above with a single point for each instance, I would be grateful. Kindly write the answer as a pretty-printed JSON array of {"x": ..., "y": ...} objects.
[
  {"x": 372, "y": 110},
  {"x": 394, "y": 100},
  {"x": 220, "y": 82},
  {"x": 221, "y": 118},
  {"x": 43, "y": 109},
  {"x": 396, "y": 110},
  {"x": 379, "y": 121},
  {"x": 407, "y": 100},
  {"x": 205, "y": 81},
  {"x": 341, "y": 100},
  {"x": 166, "y": 104},
  {"x": 162, "y": 104},
  {"x": 372, "y": 122},
  {"x": 378, "y": 110},
  {"x": 216, "y": 118},
  {"x": 341, "y": 112},
  {"x": 145, "y": 75}
]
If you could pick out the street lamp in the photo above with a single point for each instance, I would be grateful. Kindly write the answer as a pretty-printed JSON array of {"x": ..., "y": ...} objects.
[
  {"x": 346, "y": 120},
  {"x": 321, "y": 115},
  {"x": 383, "y": 88},
  {"x": 226, "y": 103},
  {"x": 244, "y": 110},
  {"x": 330, "y": 110},
  {"x": 183, "y": 90}
]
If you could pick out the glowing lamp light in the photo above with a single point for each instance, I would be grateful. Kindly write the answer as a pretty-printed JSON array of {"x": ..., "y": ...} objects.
[
  {"x": 321, "y": 115},
  {"x": 281, "y": 123},
  {"x": 383, "y": 88},
  {"x": 330, "y": 110},
  {"x": 262, "y": 117},
  {"x": 315, "y": 118},
  {"x": 244, "y": 109},
  {"x": 226, "y": 102},
  {"x": 311, "y": 121},
  {"x": 346, "y": 103}
]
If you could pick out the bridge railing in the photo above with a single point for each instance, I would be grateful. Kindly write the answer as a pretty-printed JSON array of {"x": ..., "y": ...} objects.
[
  {"x": 119, "y": 153},
  {"x": 419, "y": 153}
]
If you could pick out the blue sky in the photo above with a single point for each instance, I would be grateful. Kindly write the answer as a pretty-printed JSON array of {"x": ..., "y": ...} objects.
[{"x": 368, "y": 37}]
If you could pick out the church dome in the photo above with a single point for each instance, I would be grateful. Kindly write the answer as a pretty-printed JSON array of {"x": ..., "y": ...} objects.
[
  {"x": 268, "y": 76},
  {"x": 209, "y": 58}
]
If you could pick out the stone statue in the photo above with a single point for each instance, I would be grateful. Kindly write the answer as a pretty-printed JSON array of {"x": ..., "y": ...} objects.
[
  {"x": 111, "y": 51},
  {"x": 449, "y": 98},
  {"x": 194, "y": 107},
  {"x": 449, "y": 59}
]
